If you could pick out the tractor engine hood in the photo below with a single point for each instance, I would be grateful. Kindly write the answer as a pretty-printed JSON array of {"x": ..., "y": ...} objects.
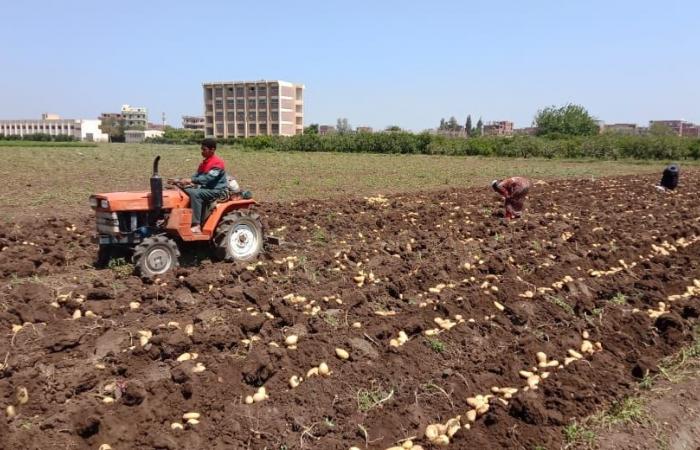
[{"x": 137, "y": 201}]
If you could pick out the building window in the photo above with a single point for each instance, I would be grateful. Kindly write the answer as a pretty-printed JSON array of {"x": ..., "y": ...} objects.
[
  {"x": 274, "y": 115},
  {"x": 251, "y": 90},
  {"x": 210, "y": 131},
  {"x": 251, "y": 116},
  {"x": 262, "y": 116},
  {"x": 262, "y": 103},
  {"x": 231, "y": 127},
  {"x": 251, "y": 103},
  {"x": 230, "y": 116},
  {"x": 229, "y": 92},
  {"x": 274, "y": 90},
  {"x": 219, "y": 128},
  {"x": 219, "y": 116},
  {"x": 218, "y": 92},
  {"x": 263, "y": 129},
  {"x": 229, "y": 103},
  {"x": 274, "y": 104},
  {"x": 251, "y": 128},
  {"x": 239, "y": 91},
  {"x": 275, "y": 128},
  {"x": 240, "y": 116},
  {"x": 219, "y": 104},
  {"x": 262, "y": 90}
]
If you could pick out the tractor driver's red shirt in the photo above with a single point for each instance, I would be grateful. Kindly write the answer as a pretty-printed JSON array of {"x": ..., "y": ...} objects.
[{"x": 213, "y": 162}]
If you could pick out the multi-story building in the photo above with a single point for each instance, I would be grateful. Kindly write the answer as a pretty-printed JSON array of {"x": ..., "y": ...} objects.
[
  {"x": 253, "y": 108},
  {"x": 52, "y": 124},
  {"x": 680, "y": 127},
  {"x": 499, "y": 128},
  {"x": 130, "y": 117},
  {"x": 193, "y": 123},
  {"x": 134, "y": 117}
]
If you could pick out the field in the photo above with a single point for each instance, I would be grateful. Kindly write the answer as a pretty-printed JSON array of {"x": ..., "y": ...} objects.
[
  {"x": 504, "y": 336},
  {"x": 63, "y": 178}
]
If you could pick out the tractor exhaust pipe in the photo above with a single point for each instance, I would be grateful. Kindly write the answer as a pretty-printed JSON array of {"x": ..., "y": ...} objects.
[{"x": 156, "y": 190}]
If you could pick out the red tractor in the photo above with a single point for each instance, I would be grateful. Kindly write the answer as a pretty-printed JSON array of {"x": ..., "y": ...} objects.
[{"x": 155, "y": 224}]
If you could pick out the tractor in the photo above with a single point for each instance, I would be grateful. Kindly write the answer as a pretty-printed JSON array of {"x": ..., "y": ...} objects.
[{"x": 154, "y": 225}]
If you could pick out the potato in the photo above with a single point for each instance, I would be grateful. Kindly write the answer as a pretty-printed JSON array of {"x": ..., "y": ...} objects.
[
  {"x": 574, "y": 354},
  {"x": 10, "y": 411},
  {"x": 323, "y": 369},
  {"x": 432, "y": 432},
  {"x": 189, "y": 329},
  {"x": 342, "y": 354},
  {"x": 313, "y": 371},
  {"x": 190, "y": 415},
  {"x": 249, "y": 400},
  {"x": 525, "y": 374},
  {"x": 22, "y": 395},
  {"x": 499, "y": 306},
  {"x": 471, "y": 415},
  {"x": 107, "y": 400},
  {"x": 541, "y": 357},
  {"x": 453, "y": 426},
  {"x": 105, "y": 447},
  {"x": 176, "y": 426},
  {"x": 199, "y": 368},
  {"x": 193, "y": 421},
  {"x": 292, "y": 339},
  {"x": 533, "y": 381},
  {"x": 483, "y": 409}
]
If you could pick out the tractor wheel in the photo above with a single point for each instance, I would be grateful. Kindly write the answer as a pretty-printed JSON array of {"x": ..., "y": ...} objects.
[
  {"x": 155, "y": 256},
  {"x": 239, "y": 236}
]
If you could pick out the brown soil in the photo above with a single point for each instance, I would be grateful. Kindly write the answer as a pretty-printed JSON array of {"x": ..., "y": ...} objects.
[
  {"x": 408, "y": 244},
  {"x": 672, "y": 421}
]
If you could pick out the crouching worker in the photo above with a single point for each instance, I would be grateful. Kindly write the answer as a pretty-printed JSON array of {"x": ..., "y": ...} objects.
[
  {"x": 669, "y": 178},
  {"x": 514, "y": 190},
  {"x": 206, "y": 185}
]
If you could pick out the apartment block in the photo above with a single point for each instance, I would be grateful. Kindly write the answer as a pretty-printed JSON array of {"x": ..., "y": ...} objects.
[
  {"x": 52, "y": 124},
  {"x": 193, "y": 123},
  {"x": 680, "y": 127},
  {"x": 499, "y": 128},
  {"x": 130, "y": 116},
  {"x": 253, "y": 108}
]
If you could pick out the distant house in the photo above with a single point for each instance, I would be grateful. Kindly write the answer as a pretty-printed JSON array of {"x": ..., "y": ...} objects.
[
  {"x": 680, "y": 127},
  {"x": 193, "y": 123},
  {"x": 326, "y": 129},
  {"x": 498, "y": 128}
]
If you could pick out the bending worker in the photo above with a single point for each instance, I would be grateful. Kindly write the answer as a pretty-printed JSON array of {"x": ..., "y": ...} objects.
[
  {"x": 514, "y": 190},
  {"x": 207, "y": 184}
]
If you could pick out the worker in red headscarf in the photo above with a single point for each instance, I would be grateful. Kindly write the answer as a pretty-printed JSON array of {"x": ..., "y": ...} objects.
[{"x": 514, "y": 190}]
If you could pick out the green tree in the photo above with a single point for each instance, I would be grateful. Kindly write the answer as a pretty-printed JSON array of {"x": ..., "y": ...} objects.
[
  {"x": 393, "y": 128},
  {"x": 311, "y": 129},
  {"x": 442, "y": 124},
  {"x": 479, "y": 127},
  {"x": 660, "y": 129},
  {"x": 452, "y": 124},
  {"x": 114, "y": 128},
  {"x": 468, "y": 126},
  {"x": 567, "y": 120}
]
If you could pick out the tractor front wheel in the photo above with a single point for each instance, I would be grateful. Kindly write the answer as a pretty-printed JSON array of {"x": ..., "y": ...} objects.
[
  {"x": 239, "y": 236},
  {"x": 155, "y": 256}
]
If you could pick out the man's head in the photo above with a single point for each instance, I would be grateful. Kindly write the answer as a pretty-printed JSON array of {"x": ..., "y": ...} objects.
[
  {"x": 208, "y": 147},
  {"x": 494, "y": 185}
]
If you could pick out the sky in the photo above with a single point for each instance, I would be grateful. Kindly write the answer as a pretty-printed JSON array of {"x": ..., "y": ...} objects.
[{"x": 376, "y": 63}]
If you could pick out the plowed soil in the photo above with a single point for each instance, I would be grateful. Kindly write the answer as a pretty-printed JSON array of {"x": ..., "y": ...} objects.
[{"x": 590, "y": 258}]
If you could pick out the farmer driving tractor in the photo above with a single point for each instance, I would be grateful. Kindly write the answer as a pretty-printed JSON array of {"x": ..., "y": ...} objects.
[
  {"x": 206, "y": 185},
  {"x": 514, "y": 190}
]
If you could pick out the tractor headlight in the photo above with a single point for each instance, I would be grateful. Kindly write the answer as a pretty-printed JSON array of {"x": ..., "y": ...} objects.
[
  {"x": 104, "y": 203},
  {"x": 93, "y": 202}
]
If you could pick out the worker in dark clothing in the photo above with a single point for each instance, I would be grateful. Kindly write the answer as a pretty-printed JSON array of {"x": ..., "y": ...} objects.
[
  {"x": 514, "y": 190},
  {"x": 669, "y": 179},
  {"x": 207, "y": 184}
]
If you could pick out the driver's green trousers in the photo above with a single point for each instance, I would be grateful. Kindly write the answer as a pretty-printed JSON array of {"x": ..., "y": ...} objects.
[{"x": 198, "y": 198}]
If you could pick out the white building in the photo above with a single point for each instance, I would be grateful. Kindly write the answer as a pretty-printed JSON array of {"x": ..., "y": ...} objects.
[
  {"x": 138, "y": 136},
  {"x": 53, "y": 125},
  {"x": 135, "y": 117}
]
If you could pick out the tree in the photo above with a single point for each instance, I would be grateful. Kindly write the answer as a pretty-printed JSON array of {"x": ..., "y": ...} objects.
[
  {"x": 442, "y": 124},
  {"x": 393, "y": 128},
  {"x": 468, "y": 125},
  {"x": 479, "y": 127},
  {"x": 343, "y": 126},
  {"x": 311, "y": 129},
  {"x": 567, "y": 120},
  {"x": 660, "y": 129},
  {"x": 452, "y": 124},
  {"x": 114, "y": 128}
]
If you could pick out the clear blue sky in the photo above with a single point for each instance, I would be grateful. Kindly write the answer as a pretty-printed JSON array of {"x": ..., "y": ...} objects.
[{"x": 375, "y": 62}]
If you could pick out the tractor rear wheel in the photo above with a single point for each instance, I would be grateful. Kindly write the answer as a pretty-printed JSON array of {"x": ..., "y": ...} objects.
[
  {"x": 155, "y": 255},
  {"x": 239, "y": 236}
]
